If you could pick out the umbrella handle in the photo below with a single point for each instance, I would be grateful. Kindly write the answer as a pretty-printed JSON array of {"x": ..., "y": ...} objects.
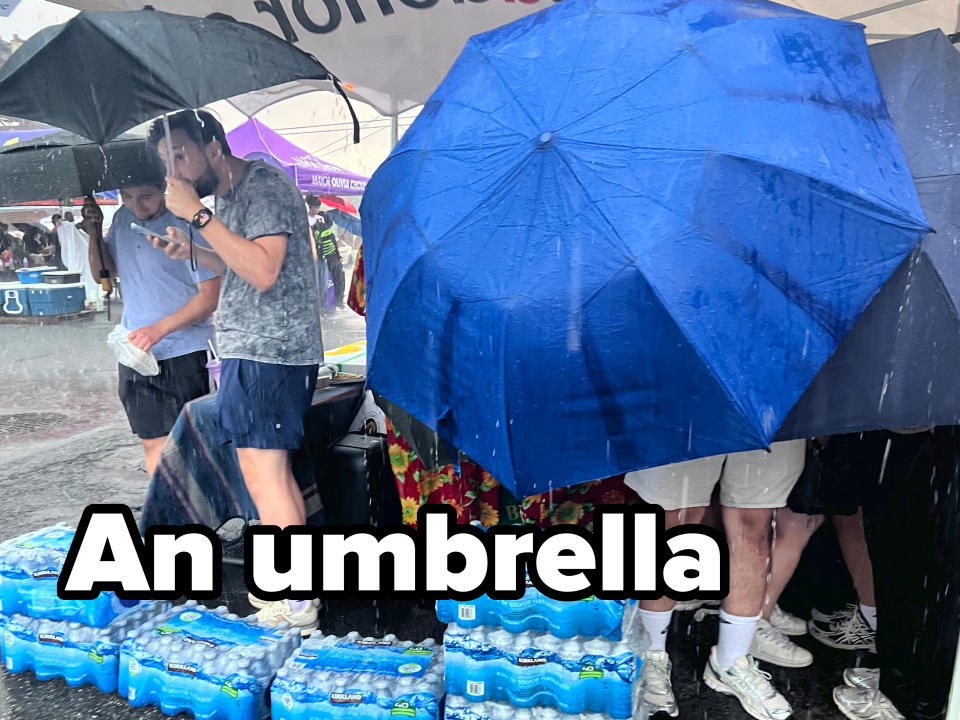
[{"x": 353, "y": 114}]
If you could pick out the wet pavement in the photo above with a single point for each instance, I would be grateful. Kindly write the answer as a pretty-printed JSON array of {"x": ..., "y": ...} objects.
[{"x": 69, "y": 445}]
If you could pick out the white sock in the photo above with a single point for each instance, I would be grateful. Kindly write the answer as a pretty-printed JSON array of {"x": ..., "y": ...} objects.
[
  {"x": 656, "y": 624},
  {"x": 870, "y": 615},
  {"x": 736, "y": 636}
]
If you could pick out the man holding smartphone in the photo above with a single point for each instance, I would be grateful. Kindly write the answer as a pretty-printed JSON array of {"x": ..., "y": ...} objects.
[
  {"x": 268, "y": 321},
  {"x": 166, "y": 306}
]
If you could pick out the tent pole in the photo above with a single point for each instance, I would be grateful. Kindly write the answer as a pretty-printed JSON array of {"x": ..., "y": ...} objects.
[{"x": 394, "y": 131}]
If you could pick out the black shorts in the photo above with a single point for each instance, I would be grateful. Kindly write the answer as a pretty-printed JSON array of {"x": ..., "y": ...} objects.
[
  {"x": 153, "y": 403},
  {"x": 839, "y": 478}
]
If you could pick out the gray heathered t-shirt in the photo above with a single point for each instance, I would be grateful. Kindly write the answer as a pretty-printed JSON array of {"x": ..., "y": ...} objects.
[{"x": 282, "y": 325}]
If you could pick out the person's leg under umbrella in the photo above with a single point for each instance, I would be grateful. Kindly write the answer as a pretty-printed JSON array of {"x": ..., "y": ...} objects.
[
  {"x": 683, "y": 490},
  {"x": 905, "y": 527},
  {"x": 753, "y": 485}
]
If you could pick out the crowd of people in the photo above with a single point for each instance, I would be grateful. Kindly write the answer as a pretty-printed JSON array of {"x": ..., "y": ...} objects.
[
  {"x": 895, "y": 501},
  {"x": 258, "y": 259}
]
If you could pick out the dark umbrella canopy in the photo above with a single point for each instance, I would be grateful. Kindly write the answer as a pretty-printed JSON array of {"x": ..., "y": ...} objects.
[
  {"x": 65, "y": 165},
  {"x": 898, "y": 367},
  {"x": 102, "y": 73}
]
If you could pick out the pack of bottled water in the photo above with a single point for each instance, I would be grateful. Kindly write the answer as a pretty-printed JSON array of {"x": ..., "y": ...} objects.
[
  {"x": 459, "y": 708},
  {"x": 30, "y": 566},
  {"x": 208, "y": 662},
  {"x": 335, "y": 678},
  {"x": 80, "y": 654},
  {"x": 535, "y": 611},
  {"x": 575, "y": 675}
]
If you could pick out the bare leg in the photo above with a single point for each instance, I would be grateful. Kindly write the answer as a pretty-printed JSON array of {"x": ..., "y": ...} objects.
[
  {"x": 793, "y": 532},
  {"x": 151, "y": 451},
  {"x": 748, "y": 537},
  {"x": 272, "y": 486},
  {"x": 673, "y": 518},
  {"x": 853, "y": 545}
]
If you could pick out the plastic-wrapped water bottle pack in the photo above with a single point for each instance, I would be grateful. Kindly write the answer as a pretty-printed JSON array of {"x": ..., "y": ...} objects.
[
  {"x": 80, "y": 654},
  {"x": 576, "y": 675},
  {"x": 208, "y": 662},
  {"x": 333, "y": 678},
  {"x": 535, "y": 611},
  {"x": 459, "y": 708},
  {"x": 30, "y": 566}
]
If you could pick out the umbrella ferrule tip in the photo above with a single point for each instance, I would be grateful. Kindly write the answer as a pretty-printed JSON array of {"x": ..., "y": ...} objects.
[{"x": 545, "y": 139}]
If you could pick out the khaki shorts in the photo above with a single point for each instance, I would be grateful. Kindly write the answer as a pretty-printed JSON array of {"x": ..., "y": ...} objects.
[{"x": 752, "y": 479}]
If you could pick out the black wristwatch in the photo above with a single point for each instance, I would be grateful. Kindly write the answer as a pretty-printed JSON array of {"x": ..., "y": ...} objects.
[{"x": 200, "y": 220}]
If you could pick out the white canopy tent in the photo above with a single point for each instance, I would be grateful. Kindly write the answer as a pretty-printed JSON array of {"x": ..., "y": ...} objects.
[{"x": 393, "y": 53}]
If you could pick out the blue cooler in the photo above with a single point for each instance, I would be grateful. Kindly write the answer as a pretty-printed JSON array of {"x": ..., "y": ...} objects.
[
  {"x": 47, "y": 299},
  {"x": 31, "y": 276},
  {"x": 13, "y": 300}
]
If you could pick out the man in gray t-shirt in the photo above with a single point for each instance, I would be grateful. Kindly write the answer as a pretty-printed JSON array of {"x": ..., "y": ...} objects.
[{"x": 268, "y": 319}]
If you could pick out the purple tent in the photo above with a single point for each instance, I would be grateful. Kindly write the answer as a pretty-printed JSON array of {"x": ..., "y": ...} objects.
[{"x": 255, "y": 141}]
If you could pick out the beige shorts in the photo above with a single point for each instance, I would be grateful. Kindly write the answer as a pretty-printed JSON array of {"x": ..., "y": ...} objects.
[{"x": 752, "y": 479}]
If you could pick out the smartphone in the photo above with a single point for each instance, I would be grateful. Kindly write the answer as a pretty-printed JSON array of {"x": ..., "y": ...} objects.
[{"x": 164, "y": 240}]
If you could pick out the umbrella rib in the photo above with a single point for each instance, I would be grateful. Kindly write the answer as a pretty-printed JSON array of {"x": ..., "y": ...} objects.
[{"x": 623, "y": 92}]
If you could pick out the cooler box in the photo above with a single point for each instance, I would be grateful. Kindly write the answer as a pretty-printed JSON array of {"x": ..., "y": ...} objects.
[
  {"x": 56, "y": 299},
  {"x": 61, "y": 277},
  {"x": 13, "y": 300},
  {"x": 31, "y": 276}
]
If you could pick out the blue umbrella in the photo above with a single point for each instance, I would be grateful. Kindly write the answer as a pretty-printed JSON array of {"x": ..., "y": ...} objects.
[
  {"x": 624, "y": 233},
  {"x": 897, "y": 367},
  {"x": 350, "y": 223}
]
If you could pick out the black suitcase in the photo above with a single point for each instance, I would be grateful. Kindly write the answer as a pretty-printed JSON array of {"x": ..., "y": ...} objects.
[{"x": 356, "y": 483}]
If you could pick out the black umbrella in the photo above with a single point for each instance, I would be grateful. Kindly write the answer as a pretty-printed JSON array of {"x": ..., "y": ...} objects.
[
  {"x": 898, "y": 365},
  {"x": 102, "y": 73},
  {"x": 65, "y": 165}
]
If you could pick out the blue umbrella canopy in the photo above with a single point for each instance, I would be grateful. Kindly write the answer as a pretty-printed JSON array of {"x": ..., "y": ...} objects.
[
  {"x": 624, "y": 233},
  {"x": 897, "y": 367}
]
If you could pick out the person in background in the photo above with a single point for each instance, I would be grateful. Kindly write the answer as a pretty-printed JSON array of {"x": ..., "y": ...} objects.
[
  {"x": 268, "y": 320},
  {"x": 74, "y": 245},
  {"x": 329, "y": 252},
  {"x": 166, "y": 306}
]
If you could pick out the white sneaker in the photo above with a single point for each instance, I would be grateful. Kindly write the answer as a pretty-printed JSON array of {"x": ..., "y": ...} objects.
[
  {"x": 657, "y": 689},
  {"x": 865, "y": 704},
  {"x": 822, "y": 617},
  {"x": 749, "y": 684},
  {"x": 771, "y": 645},
  {"x": 274, "y": 613},
  {"x": 862, "y": 677},
  {"x": 849, "y": 632},
  {"x": 256, "y": 602},
  {"x": 786, "y": 623}
]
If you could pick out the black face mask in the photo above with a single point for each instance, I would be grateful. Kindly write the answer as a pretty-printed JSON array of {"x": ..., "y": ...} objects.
[{"x": 206, "y": 183}]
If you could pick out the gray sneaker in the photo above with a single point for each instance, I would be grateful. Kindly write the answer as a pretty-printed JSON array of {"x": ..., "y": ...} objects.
[
  {"x": 771, "y": 645},
  {"x": 862, "y": 677},
  {"x": 786, "y": 623},
  {"x": 750, "y": 685},
  {"x": 864, "y": 704},
  {"x": 849, "y": 632},
  {"x": 657, "y": 690}
]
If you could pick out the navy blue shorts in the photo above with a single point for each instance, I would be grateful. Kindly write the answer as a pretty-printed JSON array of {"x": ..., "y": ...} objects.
[{"x": 262, "y": 405}]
